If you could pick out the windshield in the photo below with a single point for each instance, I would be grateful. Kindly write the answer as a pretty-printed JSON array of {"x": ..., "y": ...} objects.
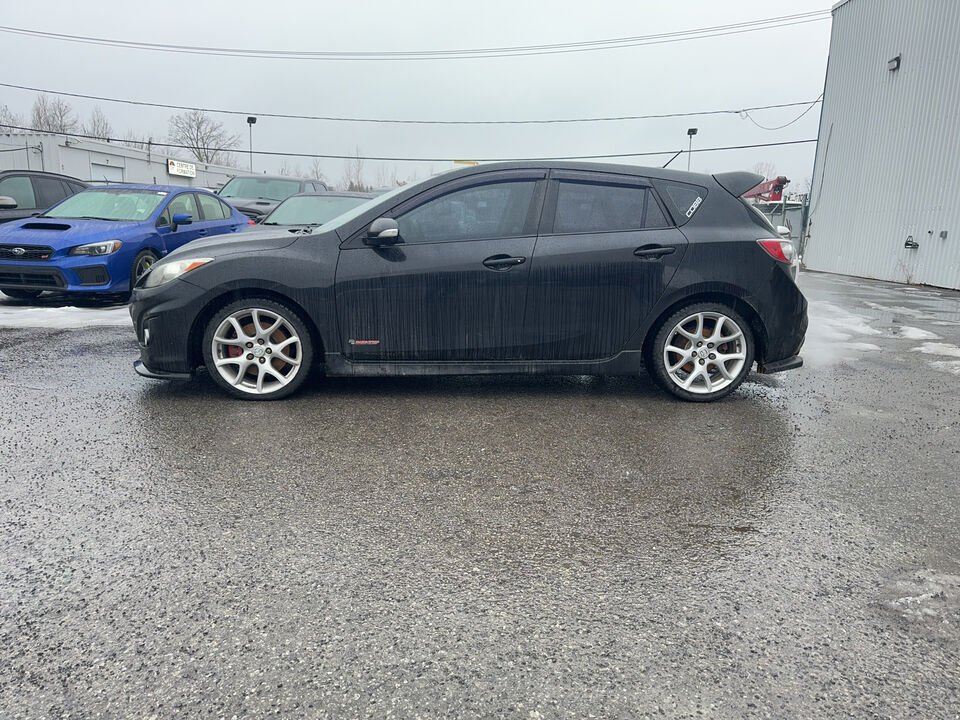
[
  {"x": 311, "y": 209},
  {"x": 262, "y": 188},
  {"x": 119, "y": 204},
  {"x": 361, "y": 209}
]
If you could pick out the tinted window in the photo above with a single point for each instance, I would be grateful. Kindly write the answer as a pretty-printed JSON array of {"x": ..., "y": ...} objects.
[
  {"x": 20, "y": 189},
  {"x": 595, "y": 207},
  {"x": 485, "y": 211},
  {"x": 76, "y": 187},
  {"x": 682, "y": 200},
  {"x": 49, "y": 190},
  {"x": 211, "y": 207},
  {"x": 184, "y": 203}
]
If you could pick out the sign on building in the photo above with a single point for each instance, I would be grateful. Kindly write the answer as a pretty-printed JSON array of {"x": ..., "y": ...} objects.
[{"x": 179, "y": 167}]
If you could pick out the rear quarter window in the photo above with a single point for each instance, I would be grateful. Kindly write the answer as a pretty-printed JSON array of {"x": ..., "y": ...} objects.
[{"x": 682, "y": 199}]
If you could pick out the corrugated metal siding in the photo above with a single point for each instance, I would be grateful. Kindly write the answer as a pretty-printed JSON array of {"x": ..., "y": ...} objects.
[{"x": 888, "y": 158}]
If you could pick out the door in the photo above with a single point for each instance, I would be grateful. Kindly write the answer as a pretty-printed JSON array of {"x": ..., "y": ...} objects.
[
  {"x": 453, "y": 288},
  {"x": 215, "y": 216},
  {"x": 172, "y": 239},
  {"x": 605, "y": 255}
]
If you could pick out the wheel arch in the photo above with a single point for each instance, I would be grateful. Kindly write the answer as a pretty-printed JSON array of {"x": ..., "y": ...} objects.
[
  {"x": 230, "y": 295},
  {"x": 724, "y": 297}
]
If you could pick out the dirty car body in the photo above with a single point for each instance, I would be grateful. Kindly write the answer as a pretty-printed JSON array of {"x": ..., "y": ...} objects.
[{"x": 569, "y": 268}]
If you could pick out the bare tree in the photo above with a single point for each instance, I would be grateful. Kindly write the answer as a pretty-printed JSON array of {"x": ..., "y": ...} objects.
[
  {"x": 290, "y": 170},
  {"x": 353, "y": 174},
  {"x": 51, "y": 114},
  {"x": 204, "y": 137},
  {"x": 98, "y": 126},
  {"x": 764, "y": 168},
  {"x": 131, "y": 139},
  {"x": 8, "y": 117},
  {"x": 316, "y": 170}
]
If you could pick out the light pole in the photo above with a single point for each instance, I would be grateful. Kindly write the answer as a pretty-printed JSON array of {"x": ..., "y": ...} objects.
[
  {"x": 251, "y": 121},
  {"x": 690, "y": 133}
]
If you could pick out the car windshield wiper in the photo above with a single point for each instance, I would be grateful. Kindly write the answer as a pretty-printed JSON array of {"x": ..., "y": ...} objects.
[{"x": 94, "y": 217}]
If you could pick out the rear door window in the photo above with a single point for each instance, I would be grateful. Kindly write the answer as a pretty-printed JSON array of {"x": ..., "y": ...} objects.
[
  {"x": 49, "y": 191},
  {"x": 20, "y": 189},
  {"x": 211, "y": 208},
  {"x": 590, "y": 207}
]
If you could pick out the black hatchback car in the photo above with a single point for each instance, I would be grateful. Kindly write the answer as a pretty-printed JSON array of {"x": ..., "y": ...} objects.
[{"x": 565, "y": 268}]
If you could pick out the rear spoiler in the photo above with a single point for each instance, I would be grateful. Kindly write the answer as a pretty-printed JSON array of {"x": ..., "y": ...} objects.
[{"x": 737, "y": 183}]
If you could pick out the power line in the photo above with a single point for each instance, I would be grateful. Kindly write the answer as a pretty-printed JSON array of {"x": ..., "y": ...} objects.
[
  {"x": 143, "y": 103},
  {"x": 460, "y": 54},
  {"x": 746, "y": 114},
  {"x": 412, "y": 159}
]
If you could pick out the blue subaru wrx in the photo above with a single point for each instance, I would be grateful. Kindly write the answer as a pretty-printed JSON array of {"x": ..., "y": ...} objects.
[{"x": 102, "y": 239}]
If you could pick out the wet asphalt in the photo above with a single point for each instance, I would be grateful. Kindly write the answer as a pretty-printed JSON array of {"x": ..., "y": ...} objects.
[{"x": 519, "y": 547}]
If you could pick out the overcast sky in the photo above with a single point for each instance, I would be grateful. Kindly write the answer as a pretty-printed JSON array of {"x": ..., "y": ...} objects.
[{"x": 759, "y": 68}]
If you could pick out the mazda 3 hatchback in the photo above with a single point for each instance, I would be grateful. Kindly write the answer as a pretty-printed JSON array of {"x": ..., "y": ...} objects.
[
  {"x": 565, "y": 268},
  {"x": 102, "y": 239}
]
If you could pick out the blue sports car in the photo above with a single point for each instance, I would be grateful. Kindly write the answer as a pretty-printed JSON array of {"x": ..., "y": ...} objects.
[{"x": 102, "y": 239}]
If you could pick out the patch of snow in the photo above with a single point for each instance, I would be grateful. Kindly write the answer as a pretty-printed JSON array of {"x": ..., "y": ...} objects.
[
  {"x": 861, "y": 346},
  {"x": 914, "y": 333},
  {"x": 63, "y": 318},
  {"x": 950, "y": 366},
  {"x": 830, "y": 329},
  {"x": 901, "y": 310},
  {"x": 932, "y": 348}
]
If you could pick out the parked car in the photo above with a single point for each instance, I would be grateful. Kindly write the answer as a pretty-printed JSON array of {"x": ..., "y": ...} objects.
[
  {"x": 102, "y": 239},
  {"x": 311, "y": 210},
  {"x": 572, "y": 268},
  {"x": 24, "y": 193},
  {"x": 256, "y": 195}
]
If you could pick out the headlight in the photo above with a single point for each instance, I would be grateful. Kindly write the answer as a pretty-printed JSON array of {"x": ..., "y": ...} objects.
[
  {"x": 167, "y": 271},
  {"x": 100, "y": 248}
]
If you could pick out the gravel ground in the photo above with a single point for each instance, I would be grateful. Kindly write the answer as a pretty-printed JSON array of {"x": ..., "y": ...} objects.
[{"x": 508, "y": 546}]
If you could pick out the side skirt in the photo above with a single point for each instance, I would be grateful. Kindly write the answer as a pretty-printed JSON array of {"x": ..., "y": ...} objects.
[{"x": 628, "y": 362}]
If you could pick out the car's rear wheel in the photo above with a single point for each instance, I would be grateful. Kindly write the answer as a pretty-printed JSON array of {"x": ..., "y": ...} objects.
[
  {"x": 22, "y": 294},
  {"x": 141, "y": 263},
  {"x": 257, "y": 349},
  {"x": 702, "y": 352}
]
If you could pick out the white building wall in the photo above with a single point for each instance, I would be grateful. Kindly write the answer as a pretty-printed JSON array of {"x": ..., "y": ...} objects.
[
  {"x": 96, "y": 161},
  {"x": 888, "y": 158}
]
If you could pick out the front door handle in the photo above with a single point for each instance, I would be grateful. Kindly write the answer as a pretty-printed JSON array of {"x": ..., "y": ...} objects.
[
  {"x": 653, "y": 252},
  {"x": 201, "y": 232},
  {"x": 503, "y": 262}
]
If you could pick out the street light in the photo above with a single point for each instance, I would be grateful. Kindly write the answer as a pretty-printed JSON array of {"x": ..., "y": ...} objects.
[
  {"x": 251, "y": 121},
  {"x": 690, "y": 133}
]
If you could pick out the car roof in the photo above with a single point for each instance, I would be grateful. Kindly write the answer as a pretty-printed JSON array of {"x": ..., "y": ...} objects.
[
  {"x": 155, "y": 188},
  {"x": 276, "y": 177},
  {"x": 336, "y": 193},
  {"x": 656, "y": 173},
  {"x": 44, "y": 173}
]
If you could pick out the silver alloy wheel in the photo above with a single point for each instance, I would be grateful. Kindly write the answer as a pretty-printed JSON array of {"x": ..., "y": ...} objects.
[
  {"x": 257, "y": 351},
  {"x": 704, "y": 352}
]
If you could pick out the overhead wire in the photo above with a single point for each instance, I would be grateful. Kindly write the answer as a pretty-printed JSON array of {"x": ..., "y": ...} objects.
[
  {"x": 403, "y": 159},
  {"x": 398, "y": 121},
  {"x": 456, "y": 54}
]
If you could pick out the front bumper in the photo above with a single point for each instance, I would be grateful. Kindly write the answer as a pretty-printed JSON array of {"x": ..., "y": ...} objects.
[
  {"x": 73, "y": 274},
  {"x": 163, "y": 318}
]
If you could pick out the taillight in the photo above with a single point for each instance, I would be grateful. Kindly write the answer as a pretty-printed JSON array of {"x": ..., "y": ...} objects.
[
  {"x": 780, "y": 250},
  {"x": 251, "y": 222}
]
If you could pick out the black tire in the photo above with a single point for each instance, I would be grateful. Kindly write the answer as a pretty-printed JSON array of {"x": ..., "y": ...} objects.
[
  {"x": 22, "y": 294},
  {"x": 270, "y": 359},
  {"x": 727, "y": 375},
  {"x": 141, "y": 263}
]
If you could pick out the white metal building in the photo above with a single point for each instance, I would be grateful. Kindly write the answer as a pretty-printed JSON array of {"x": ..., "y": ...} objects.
[
  {"x": 103, "y": 162},
  {"x": 885, "y": 195}
]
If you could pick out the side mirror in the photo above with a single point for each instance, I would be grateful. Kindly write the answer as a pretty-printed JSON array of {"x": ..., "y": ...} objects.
[
  {"x": 7, "y": 203},
  {"x": 383, "y": 231},
  {"x": 783, "y": 231},
  {"x": 180, "y": 219}
]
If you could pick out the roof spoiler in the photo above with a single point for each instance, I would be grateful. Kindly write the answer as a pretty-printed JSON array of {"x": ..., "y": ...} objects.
[{"x": 737, "y": 183}]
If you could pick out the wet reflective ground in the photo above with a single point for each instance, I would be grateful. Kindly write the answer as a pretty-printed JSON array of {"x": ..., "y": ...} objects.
[{"x": 493, "y": 546}]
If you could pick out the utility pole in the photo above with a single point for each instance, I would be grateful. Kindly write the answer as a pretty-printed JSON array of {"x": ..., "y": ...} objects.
[
  {"x": 251, "y": 121},
  {"x": 690, "y": 133}
]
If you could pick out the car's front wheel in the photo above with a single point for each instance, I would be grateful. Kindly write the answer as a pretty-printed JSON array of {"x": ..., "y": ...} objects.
[
  {"x": 257, "y": 349},
  {"x": 702, "y": 352},
  {"x": 141, "y": 264},
  {"x": 22, "y": 294}
]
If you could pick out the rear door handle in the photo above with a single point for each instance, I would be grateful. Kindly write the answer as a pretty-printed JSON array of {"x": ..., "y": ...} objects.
[
  {"x": 201, "y": 232},
  {"x": 503, "y": 262},
  {"x": 653, "y": 252}
]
